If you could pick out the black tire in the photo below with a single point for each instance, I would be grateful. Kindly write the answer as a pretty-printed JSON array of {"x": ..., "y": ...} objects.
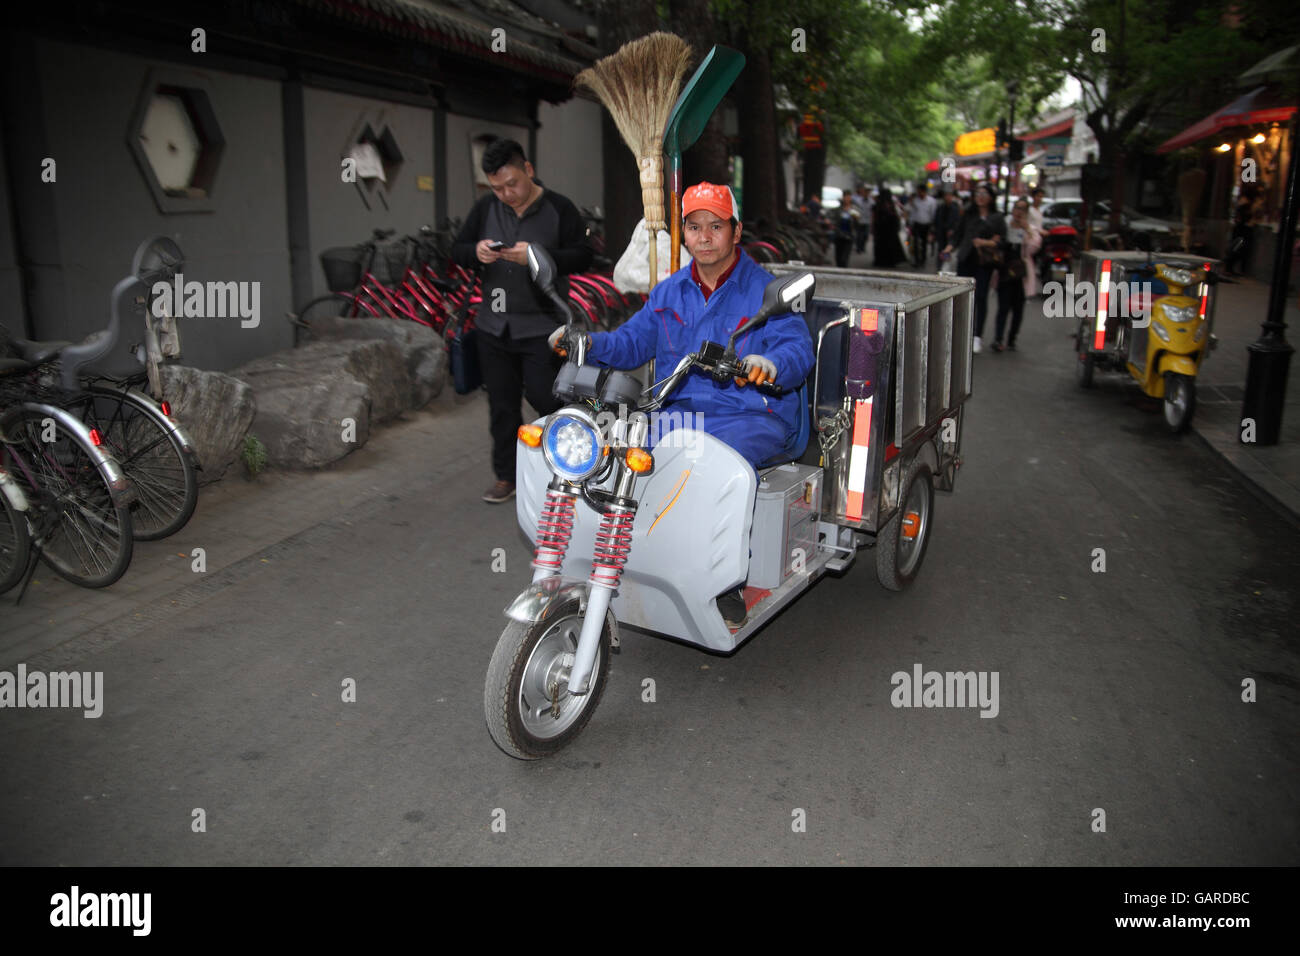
[
  {"x": 1180, "y": 402},
  {"x": 166, "y": 484},
  {"x": 1087, "y": 361},
  {"x": 15, "y": 544},
  {"x": 84, "y": 536},
  {"x": 899, "y": 555},
  {"x": 514, "y": 682}
]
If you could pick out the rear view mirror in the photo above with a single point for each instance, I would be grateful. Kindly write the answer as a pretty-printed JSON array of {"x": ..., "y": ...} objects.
[
  {"x": 541, "y": 267},
  {"x": 787, "y": 294}
]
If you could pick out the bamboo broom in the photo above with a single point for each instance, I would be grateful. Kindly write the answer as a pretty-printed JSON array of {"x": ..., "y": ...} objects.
[{"x": 638, "y": 83}]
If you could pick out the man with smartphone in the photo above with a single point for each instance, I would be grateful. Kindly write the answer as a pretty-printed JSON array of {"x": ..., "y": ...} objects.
[{"x": 513, "y": 322}]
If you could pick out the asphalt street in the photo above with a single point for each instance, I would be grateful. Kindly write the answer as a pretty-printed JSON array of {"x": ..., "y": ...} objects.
[{"x": 1120, "y": 691}]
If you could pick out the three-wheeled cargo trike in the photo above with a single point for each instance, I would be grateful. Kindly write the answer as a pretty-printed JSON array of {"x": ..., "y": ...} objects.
[
  {"x": 628, "y": 535},
  {"x": 1150, "y": 314}
]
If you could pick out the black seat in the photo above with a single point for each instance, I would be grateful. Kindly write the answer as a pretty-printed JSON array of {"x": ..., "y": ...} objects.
[{"x": 37, "y": 352}]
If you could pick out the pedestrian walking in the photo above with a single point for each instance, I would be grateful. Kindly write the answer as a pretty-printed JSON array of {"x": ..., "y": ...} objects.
[
  {"x": 846, "y": 221},
  {"x": 1239, "y": 244},
  {"x": 885, "y": 227},
  {"x": 920, "y": 217},
  {"x": 945, "y": 220},
  {"x": 862, "y": 202},
  {"x": 1017, "y": 278},
  {"x": 975, "y": 242},
  {"x": 513, "y": 322}
]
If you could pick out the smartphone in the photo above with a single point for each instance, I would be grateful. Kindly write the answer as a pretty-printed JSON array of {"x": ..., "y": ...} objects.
[{"x": 496, "y": 244}]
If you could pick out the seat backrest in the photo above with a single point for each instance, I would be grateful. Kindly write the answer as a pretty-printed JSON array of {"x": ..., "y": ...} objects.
[{"x": 794, "y": 448}]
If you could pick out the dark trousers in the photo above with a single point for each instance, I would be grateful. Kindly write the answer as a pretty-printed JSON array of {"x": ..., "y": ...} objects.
[
  {"x": 920, "y": 242},
  {"x": 843, "y": 247},
  {"x": 982, "y": 276},
  {"x": 1011, "y": 301},
  {"x": 860, "y": 236},
  {"x": 512, "y": 370}
]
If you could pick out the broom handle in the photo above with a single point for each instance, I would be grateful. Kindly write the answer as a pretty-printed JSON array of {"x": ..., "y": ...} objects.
[
  {"x": 654, "y": 256},
  {"x": 675, "y": 213}
]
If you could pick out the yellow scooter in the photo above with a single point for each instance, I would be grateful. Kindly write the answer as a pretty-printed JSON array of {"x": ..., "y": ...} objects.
[{"x": 1154, "y": 330}]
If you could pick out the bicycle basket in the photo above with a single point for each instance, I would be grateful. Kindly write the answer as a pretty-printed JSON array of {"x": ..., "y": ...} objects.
[
  {"x": 342, "y": 267},
  {"x": 390, "y": 262}
]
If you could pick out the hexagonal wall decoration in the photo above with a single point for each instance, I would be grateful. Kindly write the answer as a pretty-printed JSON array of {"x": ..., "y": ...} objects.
[{"x": 176, "y": 141}]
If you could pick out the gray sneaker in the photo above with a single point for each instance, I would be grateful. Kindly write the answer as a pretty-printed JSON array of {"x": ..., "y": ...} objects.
[{"x": 499, "y": 492}]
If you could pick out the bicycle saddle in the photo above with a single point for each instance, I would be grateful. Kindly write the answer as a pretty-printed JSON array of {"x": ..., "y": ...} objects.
[{"x": 34, "y": 353}]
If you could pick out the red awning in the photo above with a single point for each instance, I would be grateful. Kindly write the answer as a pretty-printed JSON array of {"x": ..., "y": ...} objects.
[
  {"x": 1250, "y": 109},
  {"x": 1056, "y": 129}
]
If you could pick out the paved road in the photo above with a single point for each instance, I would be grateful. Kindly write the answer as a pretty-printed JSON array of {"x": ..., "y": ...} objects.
[{"x": 1119, "y": 691}]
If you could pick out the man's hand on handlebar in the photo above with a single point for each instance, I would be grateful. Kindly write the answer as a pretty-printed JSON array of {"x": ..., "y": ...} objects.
[
  {"x": 760, "y": 370},
  {"x": 559, "y": 344}
]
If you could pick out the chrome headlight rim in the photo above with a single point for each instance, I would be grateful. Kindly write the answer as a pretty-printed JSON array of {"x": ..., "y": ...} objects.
[{"x": 556, "y": 421}]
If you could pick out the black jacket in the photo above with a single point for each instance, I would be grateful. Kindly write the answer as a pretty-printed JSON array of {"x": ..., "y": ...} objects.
[{"x": 553, "y": 222}]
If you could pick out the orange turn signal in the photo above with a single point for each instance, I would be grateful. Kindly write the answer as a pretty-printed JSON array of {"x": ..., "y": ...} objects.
[
  {"x": 530, "y": 435},
  {"x": 640, "y": 460}
]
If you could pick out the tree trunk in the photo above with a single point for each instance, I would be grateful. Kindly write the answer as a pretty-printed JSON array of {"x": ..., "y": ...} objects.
[
  {"x": 758, "y": 137},
  {"x": 692, "y": 20}
]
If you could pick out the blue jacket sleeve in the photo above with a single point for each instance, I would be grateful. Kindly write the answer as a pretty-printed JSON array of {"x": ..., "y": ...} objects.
[
  {"x": 785, "y": 340},
  {"x": 632, "y": 344}
]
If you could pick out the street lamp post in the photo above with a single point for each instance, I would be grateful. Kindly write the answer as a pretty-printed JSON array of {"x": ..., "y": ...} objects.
[
  {"x": 1013, "y": 90},
  {"x": 1270, "y": 355}
]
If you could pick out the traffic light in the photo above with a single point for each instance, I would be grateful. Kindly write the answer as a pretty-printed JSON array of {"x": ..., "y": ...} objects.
[
  {"x": 1002, "y": 134},
  {"x": 1017, "y": 150}
]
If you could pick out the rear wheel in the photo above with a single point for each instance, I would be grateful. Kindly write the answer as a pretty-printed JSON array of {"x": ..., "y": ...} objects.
[
  {"x": 15, "y": 545},
  {"x": 83, "y": 534},
  {"x": 1180, "y": 401},
  {"x": 529, "y": 712},
  {"x": 166, "y": 484},
  {"x": 333, "y": 305},
  {"x": 1087, "y": 361},
  {"x": 900, "y": 545}
]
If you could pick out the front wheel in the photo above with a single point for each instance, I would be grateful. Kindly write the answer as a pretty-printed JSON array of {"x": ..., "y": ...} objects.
[
  {"x": 1180, "y": 401},
  {"x": 529, "y": 711},
  {"x": 900, "y": 545}
]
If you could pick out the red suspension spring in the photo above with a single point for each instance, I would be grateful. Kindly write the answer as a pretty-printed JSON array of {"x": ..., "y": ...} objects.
[
  {"x": 554, "y": 526},
  {"x": 613, "y": 543}
]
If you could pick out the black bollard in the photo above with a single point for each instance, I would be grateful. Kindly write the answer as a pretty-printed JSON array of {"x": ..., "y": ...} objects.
[{"x": 1270, "y": 356}]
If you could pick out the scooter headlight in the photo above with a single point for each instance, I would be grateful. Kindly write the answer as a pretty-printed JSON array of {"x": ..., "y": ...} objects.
[
  {"x": 1178, "y": 314},
  {"x": 572, "y": 445},
  {"x": 1161, "y": 332}
]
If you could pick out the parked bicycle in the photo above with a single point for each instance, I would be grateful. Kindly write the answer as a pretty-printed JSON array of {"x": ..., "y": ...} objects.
[{"x": 77, "y": 496}]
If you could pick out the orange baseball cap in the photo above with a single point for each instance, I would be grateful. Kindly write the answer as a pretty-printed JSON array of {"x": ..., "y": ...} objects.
[{"x": 716, "y": 199}]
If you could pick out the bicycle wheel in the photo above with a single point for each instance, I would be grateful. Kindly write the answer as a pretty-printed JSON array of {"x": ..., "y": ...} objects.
[
  {"x": 82, "y": 533},
  {"x": 166, "y": 484},
  {"x": 15, "y": 545}
]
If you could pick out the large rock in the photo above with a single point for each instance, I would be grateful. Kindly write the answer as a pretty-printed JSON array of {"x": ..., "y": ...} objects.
[
  {"x": 377, "y": 364},
  {"x": 216, "y": 411},
  {"x": 426, "y": 357},
  {"x": 309, "y": 422}
]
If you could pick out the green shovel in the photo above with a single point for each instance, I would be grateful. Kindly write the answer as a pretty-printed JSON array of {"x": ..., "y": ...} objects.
[{"x": 700, "y": 97}]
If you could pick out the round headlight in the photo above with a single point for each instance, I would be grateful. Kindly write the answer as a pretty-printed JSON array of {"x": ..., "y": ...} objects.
[{"x": 572, "y": 445}]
